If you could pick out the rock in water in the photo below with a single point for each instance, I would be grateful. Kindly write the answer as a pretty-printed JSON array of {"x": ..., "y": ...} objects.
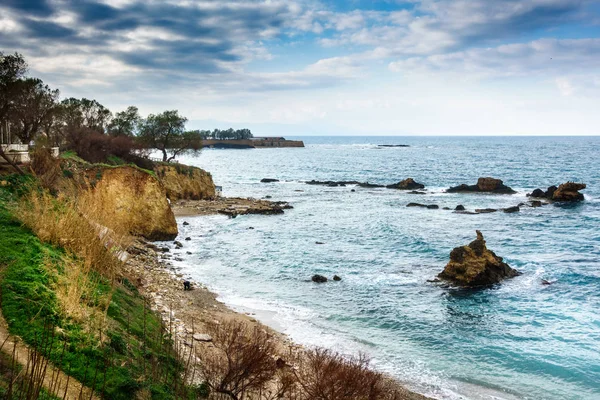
[
  {"x": 319, "y": 279},
  {"x": 484, "y": 185},
  {"x": 336, "y": 278},
  {"x": 569, "y": 192},
  {"x": 269, "y": 180},
  {"x": 407, "y": 184},
  {"x": 475, "y": 265},
  {"x": 512, "y": 209},
  {"x": 565, "y": 192}
]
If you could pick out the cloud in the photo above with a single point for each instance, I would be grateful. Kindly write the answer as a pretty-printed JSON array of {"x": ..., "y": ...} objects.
[
  {"x": 544, "y": 56},
  {"x": 190, "y": 37},
  {"x": 437, "y": 26}
]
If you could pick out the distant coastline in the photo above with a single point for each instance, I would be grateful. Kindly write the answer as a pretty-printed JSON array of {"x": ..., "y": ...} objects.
[{"x": 252, "y": 143}]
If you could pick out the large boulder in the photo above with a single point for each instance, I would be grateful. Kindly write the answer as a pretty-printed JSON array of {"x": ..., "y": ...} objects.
[
  {"x": 475, "y": 265},
  {"x": 183, "y": 182},
  {"x": 319, "y": 278},
  {"x": 407, "y": 184},
  {"x": 484, "y": 185},
  {"x": 568, "y": 191}
]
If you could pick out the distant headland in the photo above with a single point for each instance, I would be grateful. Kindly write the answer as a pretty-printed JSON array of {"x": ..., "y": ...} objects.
[{"x": 251, "y": 143}]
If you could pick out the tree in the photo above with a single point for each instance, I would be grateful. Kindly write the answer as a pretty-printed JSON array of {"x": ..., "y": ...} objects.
[
  {"x": 85, "y": 113},
  {"x": 12, "y": 68},
  {"x": 166, "y": 132},
  {"x": 125, "y": 123},
  {"x": 241, "y": 362},
  {"x": 34, "y": 105}
]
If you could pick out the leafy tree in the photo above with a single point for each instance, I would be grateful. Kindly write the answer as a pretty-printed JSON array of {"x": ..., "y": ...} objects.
[
  {"x": 228, "y": 134},
  {"x": 85, "y": 113},
  {"x": 34, "y": 105},
  {"x": 166, "y": 132},
  {"x": 12, "y": 68},
  {"x": 125, "y": 123}
]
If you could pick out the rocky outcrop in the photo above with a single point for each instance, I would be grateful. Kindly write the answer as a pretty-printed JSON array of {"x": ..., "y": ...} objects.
[
  {"x": 568, "y": 191},
  {"x": 484, "y": 185},
  {"x": 230, "y": 206},
  {"x": 319, "y": 278},
  {"x": 332, "y": 183},
  {"x": 428, "y": 206},
  {"x": 136, "y": 198},
  {"x": 407, "y": 184},
  {"x": 182, "y": 182},
  {"x": 475, "y": 265}
]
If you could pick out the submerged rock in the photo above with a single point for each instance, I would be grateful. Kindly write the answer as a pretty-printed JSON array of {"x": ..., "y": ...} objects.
[
  {"x": 485, "y": 210},
  {"x": 407, "y": 184},
  {"x": 512, "y": 209},
  {"x": 369, "y": 185},
  {"x": 475, "y": 265},
  {"x": 336, "y": 278},
  {"x": 428, "y": 206},
  {"x": 484, "y": 185},
  {"x": 332, "y": 183},
  {"x": 319, "y": 278},
  {"x": 269, "y": 180}
]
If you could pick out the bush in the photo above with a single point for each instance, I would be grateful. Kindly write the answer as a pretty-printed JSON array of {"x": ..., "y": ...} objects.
[
  {"x": 241, "y": 362},
  {"x": 94, "y": 147}
]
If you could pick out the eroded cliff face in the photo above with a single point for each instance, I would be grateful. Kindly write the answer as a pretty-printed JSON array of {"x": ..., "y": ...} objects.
[
  {"x": 135, "y": 198},
  {"x": 182, "y": 182}
]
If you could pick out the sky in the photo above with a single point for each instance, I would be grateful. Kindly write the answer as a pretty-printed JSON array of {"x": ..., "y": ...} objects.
[{"x": 325, "y": 67}]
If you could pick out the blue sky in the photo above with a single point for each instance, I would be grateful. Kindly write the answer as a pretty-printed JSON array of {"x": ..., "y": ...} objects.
[{"x": 310, "y": 67}]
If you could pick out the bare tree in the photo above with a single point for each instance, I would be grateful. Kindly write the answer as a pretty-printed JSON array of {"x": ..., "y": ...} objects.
[
  {"x": 241, "y": 362},
  {"x": 326, "y": 375}
]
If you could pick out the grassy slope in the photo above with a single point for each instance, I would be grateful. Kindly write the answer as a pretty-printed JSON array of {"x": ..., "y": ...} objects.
[{"x": 134, "y": 355}]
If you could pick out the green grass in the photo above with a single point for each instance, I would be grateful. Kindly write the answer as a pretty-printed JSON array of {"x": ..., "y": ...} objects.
[{"x": 135, "y": 354}]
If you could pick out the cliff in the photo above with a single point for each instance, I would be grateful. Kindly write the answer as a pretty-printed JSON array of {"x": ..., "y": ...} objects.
[
  {"x": 185, "y": 183},
  {"x": 135, "y": 197}
]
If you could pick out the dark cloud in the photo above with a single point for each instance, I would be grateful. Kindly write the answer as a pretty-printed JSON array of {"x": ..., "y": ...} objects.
[
  {"x": 30, "y": 7},
  {"x": 189, "y": 37},
  {"x": 47, "y": 30},
  {"x": 94, "y": 12}
]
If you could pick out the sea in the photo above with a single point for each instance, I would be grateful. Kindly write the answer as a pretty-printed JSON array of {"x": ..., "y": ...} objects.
[{"x": 516, "y": 340}]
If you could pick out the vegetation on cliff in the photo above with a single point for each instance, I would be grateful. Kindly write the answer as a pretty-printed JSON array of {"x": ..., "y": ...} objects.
[{"x": 62, "y": 293}]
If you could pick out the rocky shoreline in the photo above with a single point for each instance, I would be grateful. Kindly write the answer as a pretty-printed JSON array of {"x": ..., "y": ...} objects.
[
  {"x": 230, "y": 206},
  {"x": 189, "y": 312}
]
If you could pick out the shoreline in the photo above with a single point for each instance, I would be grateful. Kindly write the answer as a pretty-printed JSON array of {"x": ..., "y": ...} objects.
[{"x": 150, "y": 268}]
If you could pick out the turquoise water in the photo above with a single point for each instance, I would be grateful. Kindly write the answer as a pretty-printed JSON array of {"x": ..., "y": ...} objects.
[{"x": 519, "y": 339}]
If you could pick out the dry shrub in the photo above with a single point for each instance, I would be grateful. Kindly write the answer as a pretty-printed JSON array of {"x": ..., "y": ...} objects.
[
  {"x": 327, "y": 375},
  {"x": 241, "y": 363},
  {"x": 92, "y": 250},
  {"x": 96, "y": 147},
  {"x": 76, "y": 293},
  {"x": 45, "y": 167}
]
